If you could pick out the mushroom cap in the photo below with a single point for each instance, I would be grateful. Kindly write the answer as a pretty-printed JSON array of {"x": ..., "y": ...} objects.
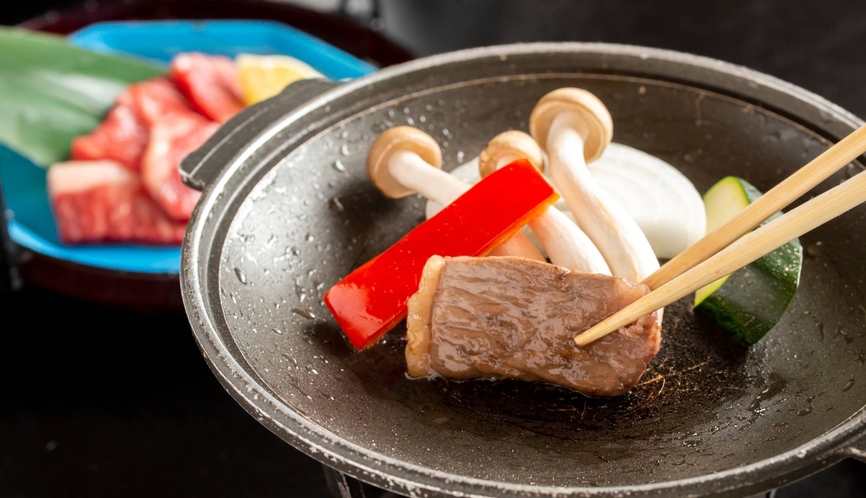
[
  {"x": 510, "y": 143},
  {"x": 399, "y": 139},
  {"x": 599, "y": 129}
]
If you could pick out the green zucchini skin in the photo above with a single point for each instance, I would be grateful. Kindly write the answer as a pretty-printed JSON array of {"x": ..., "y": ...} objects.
[{"x": 754, "y": 298}]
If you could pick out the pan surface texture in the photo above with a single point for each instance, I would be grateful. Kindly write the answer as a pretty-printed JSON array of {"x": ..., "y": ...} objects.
[{"x": 288, "y": 211}]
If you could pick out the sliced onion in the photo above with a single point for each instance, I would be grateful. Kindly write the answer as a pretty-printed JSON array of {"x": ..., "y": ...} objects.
[{"x": 663, "y": 202}]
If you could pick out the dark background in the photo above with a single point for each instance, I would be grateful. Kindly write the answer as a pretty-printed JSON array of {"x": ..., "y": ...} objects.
[
  {"x": 101, "y": 401},
  {"x": 17, "y": 12}
]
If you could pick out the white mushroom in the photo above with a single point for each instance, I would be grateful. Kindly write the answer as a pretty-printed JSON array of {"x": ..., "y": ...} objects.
[
  {"x": 661, "y": 200},
  {"x": 563, "y": 241},
  {"x": 574, "y": 127},
  {"x": 404, "y": 161}
]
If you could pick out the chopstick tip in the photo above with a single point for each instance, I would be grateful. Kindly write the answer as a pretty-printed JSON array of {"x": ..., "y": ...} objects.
[{"x": 583, "y": 338}]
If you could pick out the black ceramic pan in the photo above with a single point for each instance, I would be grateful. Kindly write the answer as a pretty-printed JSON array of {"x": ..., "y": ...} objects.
[{"x": 288, "y": 210}]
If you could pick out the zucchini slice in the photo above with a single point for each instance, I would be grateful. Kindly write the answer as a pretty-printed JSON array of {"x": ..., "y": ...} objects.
[{"x": 750, "y": 301}]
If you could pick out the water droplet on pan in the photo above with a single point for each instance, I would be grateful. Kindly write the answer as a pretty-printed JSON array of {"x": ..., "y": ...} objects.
[
  {"x": 814, "y": 250},
  {"x": 304, "y": 312}
]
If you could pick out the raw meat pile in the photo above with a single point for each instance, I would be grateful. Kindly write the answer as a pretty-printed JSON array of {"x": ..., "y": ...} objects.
[{"x": 123, "y": 183}]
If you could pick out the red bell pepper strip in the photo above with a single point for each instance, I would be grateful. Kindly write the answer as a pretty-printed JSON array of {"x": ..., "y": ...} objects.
[{"x": 372, "y": 299}]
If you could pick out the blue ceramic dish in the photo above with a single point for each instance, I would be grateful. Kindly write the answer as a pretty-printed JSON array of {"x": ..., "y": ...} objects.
[{"x": 32, "y": 225}]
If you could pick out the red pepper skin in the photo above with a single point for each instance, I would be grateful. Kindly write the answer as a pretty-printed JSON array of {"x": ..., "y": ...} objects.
[{"x": 372, "y": 299}]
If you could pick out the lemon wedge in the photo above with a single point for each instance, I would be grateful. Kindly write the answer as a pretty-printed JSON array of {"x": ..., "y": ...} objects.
[{"x": 264, "y": 76}]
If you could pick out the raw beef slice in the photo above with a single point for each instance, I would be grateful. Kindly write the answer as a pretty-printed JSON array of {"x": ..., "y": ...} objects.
[
  {"x": 171, "y": 139},
  {"x": 155, "y": 100},
  {"x": 210, "y": 83},
  {"x": 102, "y": 201},
  {"x": 121, "y": 138}
]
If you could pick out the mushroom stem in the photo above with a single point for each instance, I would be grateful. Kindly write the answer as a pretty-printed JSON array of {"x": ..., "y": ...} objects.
[
  {"x": 415, "y": 174},
  {"x": 564, "y": 242},
  {"x": 617, "y": 236},
  {"x": 442, "y": 188},
  {"x": 518, "y": 245},
  {"x": 404, "y": 161}
]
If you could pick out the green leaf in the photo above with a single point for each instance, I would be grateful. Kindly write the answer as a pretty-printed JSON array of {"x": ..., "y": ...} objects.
[{"x": 51, "y": 92}]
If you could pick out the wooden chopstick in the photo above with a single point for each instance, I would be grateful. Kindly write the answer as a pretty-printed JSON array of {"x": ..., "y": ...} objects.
[
  {"x": 786, "y": 192},
  {"x": 748, "y": 248}
]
